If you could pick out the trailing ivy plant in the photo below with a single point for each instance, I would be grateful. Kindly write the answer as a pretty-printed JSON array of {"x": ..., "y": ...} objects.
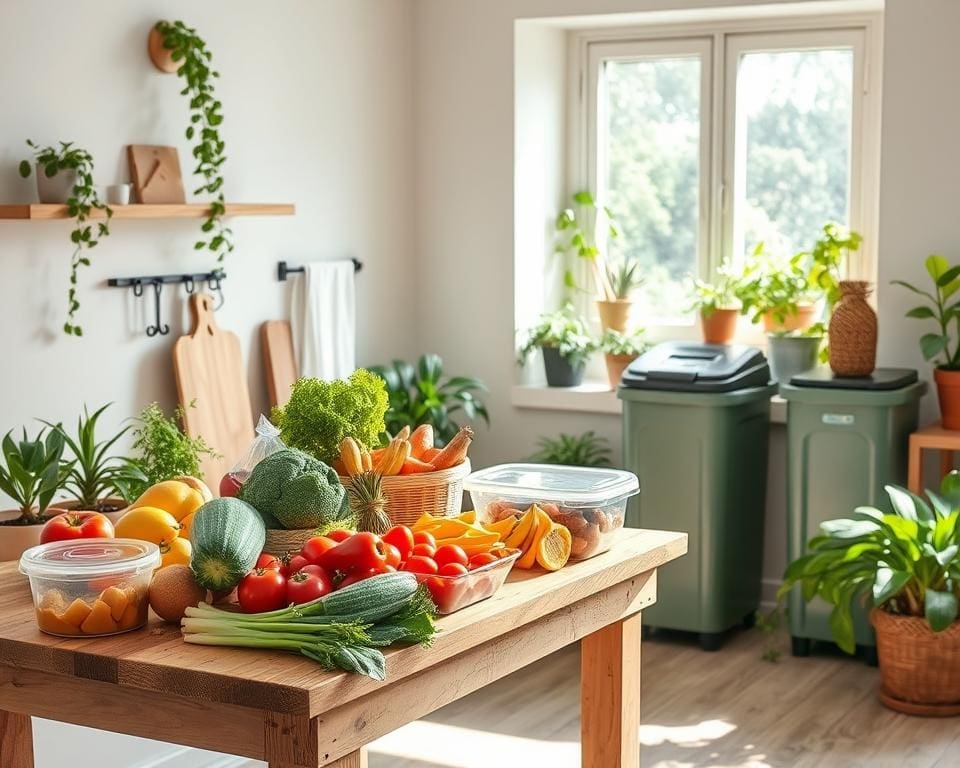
[
  {"x": 81, "y": 203},
  {"x": 190, "y": 51}
]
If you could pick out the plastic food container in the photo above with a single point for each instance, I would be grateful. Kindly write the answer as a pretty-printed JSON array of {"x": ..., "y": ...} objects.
[
  {"x": 90, "y": 587},
  {"x": 451, "y": 593},
  {"x": 589, "y": 502}
]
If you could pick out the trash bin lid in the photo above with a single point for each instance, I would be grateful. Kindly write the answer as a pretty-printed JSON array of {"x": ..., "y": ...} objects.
[
  {"x": 880, "y": 379},
  {"x": 680, "y": 366}
]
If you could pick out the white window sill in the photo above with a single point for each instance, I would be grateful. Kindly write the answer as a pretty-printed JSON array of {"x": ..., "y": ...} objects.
[{"x": 597, "y": 397}]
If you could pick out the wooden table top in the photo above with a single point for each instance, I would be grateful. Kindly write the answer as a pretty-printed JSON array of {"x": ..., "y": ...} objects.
[{"x": 156, "y": 659}]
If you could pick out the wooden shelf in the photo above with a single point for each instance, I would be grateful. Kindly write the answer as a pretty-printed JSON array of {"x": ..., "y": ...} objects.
[{"x": 44, "y": 211}]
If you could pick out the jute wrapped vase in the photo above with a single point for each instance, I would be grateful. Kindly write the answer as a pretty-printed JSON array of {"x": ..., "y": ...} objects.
[{"x": 853, "y": 331}]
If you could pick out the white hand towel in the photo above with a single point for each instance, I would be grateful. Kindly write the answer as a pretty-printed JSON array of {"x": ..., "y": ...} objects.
[{"x": 323, "y": 320}]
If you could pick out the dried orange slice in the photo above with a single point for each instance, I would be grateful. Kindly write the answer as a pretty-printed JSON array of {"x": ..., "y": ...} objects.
[{"x": 553, "y": 549}]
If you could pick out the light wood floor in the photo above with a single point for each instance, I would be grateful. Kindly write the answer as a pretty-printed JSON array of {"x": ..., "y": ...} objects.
[{"x": 728, "y": 709}]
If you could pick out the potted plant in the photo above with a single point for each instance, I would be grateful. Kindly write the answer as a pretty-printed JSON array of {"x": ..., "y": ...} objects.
[
  {"x": 586, "y": 450},
  {"x": 620, "y": 350},
  {"x": 566, "y": 344},
  {"x": 906, "y": 564},
  {"x": 936, "y": 346},
  {"x": 624, "y": 278},
  {"x": 65, "y": 175},
  {"x": 718, "y": 305},
  {"x": 420, "y": 395},
  {"x": 31, "y": 474}
]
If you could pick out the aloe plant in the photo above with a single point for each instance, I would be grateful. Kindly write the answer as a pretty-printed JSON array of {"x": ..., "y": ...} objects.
[{"x": 32, "y": 472}]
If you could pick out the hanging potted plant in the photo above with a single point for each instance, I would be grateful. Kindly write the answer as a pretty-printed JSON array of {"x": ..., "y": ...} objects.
[
  {"x": 717, "y": 305},
  {"x": 566, "y": 345},
  {"x": 619, "y": 351},
  {"x": 936, "y": 347},
  {"x": 906, "y": 564}
]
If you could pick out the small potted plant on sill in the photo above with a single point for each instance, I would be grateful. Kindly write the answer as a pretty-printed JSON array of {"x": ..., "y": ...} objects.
[
  {"x": 906, "y": 564},
  {"x": 31, "y": 474},
  {"x": 623, "y": 278},
  {"x": 718, "y": 305},
  {"x": 566, "y": 344},
  {"x": 619, "y": 351}
]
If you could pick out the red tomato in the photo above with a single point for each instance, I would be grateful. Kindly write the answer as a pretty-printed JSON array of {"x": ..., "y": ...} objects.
[
  {"x": 356, "y": 576},
  {"x": 446, "y": 593},
  {"x": 263, "y": 589},
  {"x": 481, "y": 559},
  {"x": 76, "y": 525},
  {"x": 451, "y": 553},
  {"x": 307, "y": 584},
  {"x": 296, "y": 563},
  {"x": 420, "y": 564},
  {"x": 393, "y": 554},
  {"x": 423, "y": 550},
  {"x": 268, "y": 561},
  {"x": 452, "y": 569},
  {"x": 402, "y": 538},
  {"x": 339, "y": 534},
  {"x": 423, "y": 537},
  {"x": 316, "y": 546},
  {"x": 230, "y": 485}
]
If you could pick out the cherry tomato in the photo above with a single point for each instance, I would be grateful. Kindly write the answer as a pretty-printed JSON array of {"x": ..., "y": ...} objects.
[
  {"x": 451, "y": 553},
  {"x": 76, "y": 525},
  {"x": 339, "y": 534},
  {"x": 307, "y": 584},
  {"x": 423, "y": 537},
  {"x": 356, "y": 576},
  {"x": 402, "y": 538},
  {"x": 420, "y": 564},
  {"x": 423, "y": 550},
  {"x": 393, "y": 554},
  {"x": 316, "y": 546},
  {"x": 296, "y": 563},
  {"x": 452, "y": 569},
  {"x": 263, "y": 589},
  {"x": 481, "y": 559}
]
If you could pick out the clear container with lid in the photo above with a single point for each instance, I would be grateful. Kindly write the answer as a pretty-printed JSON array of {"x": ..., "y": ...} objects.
[
  {"x": 590, "y": 502},
  {"x": 90, "y": 587}
]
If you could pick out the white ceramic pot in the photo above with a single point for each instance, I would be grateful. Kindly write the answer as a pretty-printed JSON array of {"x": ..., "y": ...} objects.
[{"x": 57, "y": 188}]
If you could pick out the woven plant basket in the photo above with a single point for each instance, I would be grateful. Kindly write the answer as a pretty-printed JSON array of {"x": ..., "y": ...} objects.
[
  {"x": 281, "y": 542},
  {"x": 409, "y": 496},
  {"x": 919, "y": 668},
  {"x": 853, "y": 331}
]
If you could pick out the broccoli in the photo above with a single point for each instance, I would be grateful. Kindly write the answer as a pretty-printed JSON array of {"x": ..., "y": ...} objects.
[{"x": 291, "y": 489}]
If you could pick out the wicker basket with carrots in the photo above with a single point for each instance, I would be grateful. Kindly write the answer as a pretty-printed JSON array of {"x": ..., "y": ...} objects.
[{"x": 415, "y": 476}]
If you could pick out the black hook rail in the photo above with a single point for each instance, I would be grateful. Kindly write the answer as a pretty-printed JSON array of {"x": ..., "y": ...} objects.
[
  {"x": 283, "y": 269},
  {"x": 188, "y": 281}
]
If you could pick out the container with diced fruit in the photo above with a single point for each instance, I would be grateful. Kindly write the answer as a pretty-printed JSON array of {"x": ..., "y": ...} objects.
[
  {"x": 589, "y": 502},
  {"x": 90, "y": 587}
]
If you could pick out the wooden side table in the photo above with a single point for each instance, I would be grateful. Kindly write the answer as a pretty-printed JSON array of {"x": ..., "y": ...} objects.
[{"x": 933, "y": 437}]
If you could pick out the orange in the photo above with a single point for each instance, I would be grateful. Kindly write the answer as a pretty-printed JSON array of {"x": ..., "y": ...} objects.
[
  {"x": 553, "y": 550},
  {"x": 148, "y": 524}
]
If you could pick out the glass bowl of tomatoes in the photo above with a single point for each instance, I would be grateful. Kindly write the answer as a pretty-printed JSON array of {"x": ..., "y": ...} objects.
[{"x": 451, "y": 592}]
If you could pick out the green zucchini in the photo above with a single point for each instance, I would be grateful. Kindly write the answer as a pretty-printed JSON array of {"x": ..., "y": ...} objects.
[
  {"x": 227, "y": 537},
  {"x": 366, "y": 600}
]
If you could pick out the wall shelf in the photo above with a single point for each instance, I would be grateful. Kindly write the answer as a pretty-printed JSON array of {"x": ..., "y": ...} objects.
[{"x": 44, "y": 211}]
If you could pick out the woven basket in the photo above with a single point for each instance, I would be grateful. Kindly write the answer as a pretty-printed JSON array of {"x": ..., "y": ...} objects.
[
  {"x": 853, "y": 331},
  {"x": 917, "y": 665},
  {"x": 409, "y": 496},
  {"x": 281, "y": 542}
]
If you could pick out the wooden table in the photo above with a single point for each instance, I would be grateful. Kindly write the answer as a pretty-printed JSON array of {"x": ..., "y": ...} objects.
[
  {"x": 932, "y": 437},
  {"x": 288, "y": 711}
]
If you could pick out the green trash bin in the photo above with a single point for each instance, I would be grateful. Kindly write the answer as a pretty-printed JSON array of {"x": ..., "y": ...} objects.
[
  {"x": 695, "y": 428},
  {"x": 846, "y": 440}
]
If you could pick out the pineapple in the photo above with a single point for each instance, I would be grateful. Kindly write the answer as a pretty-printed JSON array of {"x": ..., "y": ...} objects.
[{"x": 368, "y": 503}]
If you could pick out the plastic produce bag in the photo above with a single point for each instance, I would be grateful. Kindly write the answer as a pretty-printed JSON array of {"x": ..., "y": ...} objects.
[{"x": 266, "y": 443}]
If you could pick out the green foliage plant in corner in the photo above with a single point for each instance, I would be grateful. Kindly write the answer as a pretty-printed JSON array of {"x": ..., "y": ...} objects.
[
  {"x": 82, "y": 202},
  {"x": 586, "y": 450},
  {"x": 31, "y": 472}
]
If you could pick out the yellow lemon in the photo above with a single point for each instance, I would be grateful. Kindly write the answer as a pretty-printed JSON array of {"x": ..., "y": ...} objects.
[
  {"x": 173, "y": 496},
  {"x": 174, "y": 552},
  {"x": 185, "y": 525},
  {"x": 148, "y": 524}
]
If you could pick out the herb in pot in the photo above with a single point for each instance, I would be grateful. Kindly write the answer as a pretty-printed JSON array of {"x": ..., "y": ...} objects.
[
  {"x": 615, "y": 343},
  {"x": 563, "y": 330},
  {"x": 32, "y": 472},
  {"x": 722, "y": 293}
]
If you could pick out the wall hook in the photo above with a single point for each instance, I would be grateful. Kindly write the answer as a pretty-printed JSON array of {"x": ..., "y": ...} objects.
[
  {"x": 157, "y": 328},
  {"x": 189, "y": 284},
  {"x": 189, "y": 281},
  {"x": 137, "y": 288}
]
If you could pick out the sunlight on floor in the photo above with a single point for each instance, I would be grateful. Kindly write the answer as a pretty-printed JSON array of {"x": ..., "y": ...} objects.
[{"x": 698, "y": 735}]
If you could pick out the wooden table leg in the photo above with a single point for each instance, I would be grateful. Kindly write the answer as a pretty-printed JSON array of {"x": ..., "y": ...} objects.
[
  {"x": 16, "y": 741},
  {"x": 946, "y": 465},
  {"x": 914, "y": 465},
  {"x": 610, "y": 696},
  {"x": 356, "y": 759}
]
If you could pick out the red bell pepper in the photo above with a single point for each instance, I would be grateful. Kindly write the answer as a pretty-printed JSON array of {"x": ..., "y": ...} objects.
[{"x": 361, "y": 552}]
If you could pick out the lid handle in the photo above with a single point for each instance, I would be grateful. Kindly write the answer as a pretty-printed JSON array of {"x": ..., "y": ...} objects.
[{"x": 672, "y": 375}]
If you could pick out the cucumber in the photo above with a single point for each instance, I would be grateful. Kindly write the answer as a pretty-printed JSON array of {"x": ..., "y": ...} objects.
[
  {"x": 227, "y": 537},
  {"x": 366, "y": 600}
]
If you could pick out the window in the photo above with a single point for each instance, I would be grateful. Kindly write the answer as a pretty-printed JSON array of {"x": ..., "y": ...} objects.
[{"x": 705, "y": 142}]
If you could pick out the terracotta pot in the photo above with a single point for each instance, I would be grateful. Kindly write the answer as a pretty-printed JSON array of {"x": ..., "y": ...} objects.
[
  {"x": 15, "y": 539},
  {"x": 919, "y": 668},
  {"x": 803, "y": 318},
  {"x": 948, "y": 393},
  {"x": 119, "y": 507},
  {"x": 615, "y": 315},
  {"x": 853, "y": 331},
  {"x": 719, "y": 326},
  {"x": 616, "y": 365},
  {"x": 161, "y": 57}
]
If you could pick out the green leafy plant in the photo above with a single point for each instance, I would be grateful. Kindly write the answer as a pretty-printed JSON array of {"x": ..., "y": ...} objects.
[
  {"x": 95, "y": 473},
  {"x": 586, "y": 450},
  {"x": 612, "y": 342},
  {"x": 195, "y": 60},
  {"x": 418, "y": 394},
  {"x": 771, "y": 285},
  {"x": 80, "y": 206},
  {"x": 32, "y": 473},
  {"x": 320, "y": 414},
  {"x": 722, "y": 293},
  {"x": 905, "y": 562},
  {"x": 164, "y": 450},
  {"x": 824, "y": 260},
  {"x": 576, "y": 234},
  {"x": 946, "y": 282},
  {"x": 563, "y": 329},
  {"x": 624, "y": 278}
]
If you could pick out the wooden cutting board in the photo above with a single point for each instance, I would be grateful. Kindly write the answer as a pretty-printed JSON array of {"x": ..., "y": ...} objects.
[{"x": 209, "y": 370}]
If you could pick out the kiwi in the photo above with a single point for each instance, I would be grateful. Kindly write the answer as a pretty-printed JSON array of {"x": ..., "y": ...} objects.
[{"x": 173, "y": 590}]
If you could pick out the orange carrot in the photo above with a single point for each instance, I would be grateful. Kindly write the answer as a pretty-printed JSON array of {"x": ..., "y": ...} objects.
[
  {"x": 366, "y": 460},
  {"x": 413, "y": 466},
  {"x": 421, "y": 440},
  {"x": 375, "y": 456},
  {"x": 430, "y": 454},
  {"x": 455, "y": 451},
  {"x": 404, "y": 434}
]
